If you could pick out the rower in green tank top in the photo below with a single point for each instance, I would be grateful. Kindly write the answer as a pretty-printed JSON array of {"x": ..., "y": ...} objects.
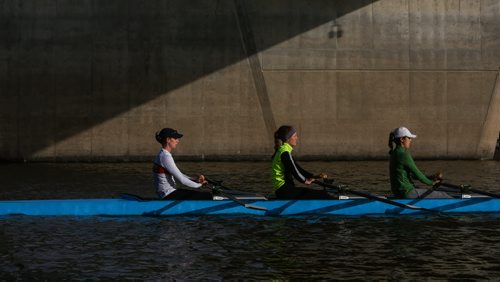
[
  {"x": 403, "y": 169},
  {"x": 285, "y": 169}
]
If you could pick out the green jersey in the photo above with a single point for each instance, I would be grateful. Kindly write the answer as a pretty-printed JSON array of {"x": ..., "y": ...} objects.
[{"x": 402, "y": 169}]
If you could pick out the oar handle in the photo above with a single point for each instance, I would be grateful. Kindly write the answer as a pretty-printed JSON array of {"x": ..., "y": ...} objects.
[
  {"x": 215, "y": 185},
  {"x": 461, "y": 188},
  {"x": 328, "y": 183},
  {"x": 213, "y": 182},
  {"x": 454, "y": 185}
]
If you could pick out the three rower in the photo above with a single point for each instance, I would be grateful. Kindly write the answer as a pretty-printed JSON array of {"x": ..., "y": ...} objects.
[{"x": 284, "y": 169}]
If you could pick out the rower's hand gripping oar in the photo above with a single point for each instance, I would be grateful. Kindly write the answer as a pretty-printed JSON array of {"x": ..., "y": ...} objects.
[
  {"x": 216, "y": 186},
  {"x": 343, "y": 188},
  {"x": 467, "y": 189}
]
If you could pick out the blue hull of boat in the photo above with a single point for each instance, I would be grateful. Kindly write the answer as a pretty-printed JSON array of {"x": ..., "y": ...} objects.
[{"x": 350, "y": 207}]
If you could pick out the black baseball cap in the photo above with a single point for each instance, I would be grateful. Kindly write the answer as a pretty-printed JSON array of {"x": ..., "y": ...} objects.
[{"x": 167, "y": 132}]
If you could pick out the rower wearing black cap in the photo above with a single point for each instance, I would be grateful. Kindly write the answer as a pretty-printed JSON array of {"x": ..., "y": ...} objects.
[{"x": 166, "y": 173}]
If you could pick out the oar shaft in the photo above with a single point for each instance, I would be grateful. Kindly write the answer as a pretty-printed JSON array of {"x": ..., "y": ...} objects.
[
  {"x": 375, "y": 197},
  {"x": 449, "y": 185},
  {"x": 224, "y": 193},
  {"x": 132, "y": 197},
  {"x": 465, "y": 189}
]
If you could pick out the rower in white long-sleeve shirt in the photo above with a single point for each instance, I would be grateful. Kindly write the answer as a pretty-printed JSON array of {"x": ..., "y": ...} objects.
[{"x": 166, "y": 173}]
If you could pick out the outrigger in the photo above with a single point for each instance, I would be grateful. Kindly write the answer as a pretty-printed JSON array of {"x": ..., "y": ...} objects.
[{"x": 244, "y": 203}]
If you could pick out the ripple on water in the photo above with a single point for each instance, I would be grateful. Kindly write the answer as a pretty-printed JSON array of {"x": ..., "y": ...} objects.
[{"x": 235, "y": 247}]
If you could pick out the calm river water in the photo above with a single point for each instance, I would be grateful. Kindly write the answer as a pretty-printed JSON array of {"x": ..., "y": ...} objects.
[{"x": 241, "y": 247}]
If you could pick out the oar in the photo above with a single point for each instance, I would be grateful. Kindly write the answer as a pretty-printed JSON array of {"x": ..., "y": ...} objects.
[
  {"x": 131, "y": 197},
  {"x": 343, "y": 188},
  {"x": 216, "y": 187},
  {"x": 467, "y": 188}
]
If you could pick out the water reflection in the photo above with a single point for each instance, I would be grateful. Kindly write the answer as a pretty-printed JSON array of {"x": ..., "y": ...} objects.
[{"x": 215, "y": 248}]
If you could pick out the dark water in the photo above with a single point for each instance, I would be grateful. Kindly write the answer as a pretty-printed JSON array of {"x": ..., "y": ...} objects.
[{"x": 426, "y": 247}]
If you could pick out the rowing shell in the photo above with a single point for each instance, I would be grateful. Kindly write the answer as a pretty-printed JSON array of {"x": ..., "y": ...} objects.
[{"x": 342, "y": 207}]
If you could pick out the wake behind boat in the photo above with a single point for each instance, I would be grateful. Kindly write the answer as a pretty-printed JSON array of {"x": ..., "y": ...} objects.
[{"x": 346, "y": 206}]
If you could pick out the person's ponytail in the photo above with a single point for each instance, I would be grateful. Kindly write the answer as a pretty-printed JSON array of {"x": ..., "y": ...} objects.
[
  {"x": 391, "y": 141},
  {"x": 281, "y": 135},
  {"x": 158, "y": 137},
  {"x": 277, "y": 143}
]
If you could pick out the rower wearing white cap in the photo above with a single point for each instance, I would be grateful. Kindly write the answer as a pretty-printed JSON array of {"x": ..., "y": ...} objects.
[{"x": 402, "y": 168}]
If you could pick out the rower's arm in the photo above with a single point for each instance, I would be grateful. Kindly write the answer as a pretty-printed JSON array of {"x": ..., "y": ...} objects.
[
  {"x": 169, "y": 164},
  {"x": 415, "y": 172},
  {"x": 290, "y": 165}
]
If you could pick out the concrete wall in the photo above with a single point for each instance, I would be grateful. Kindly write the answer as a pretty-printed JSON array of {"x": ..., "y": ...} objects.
[{"x": 94, "y": 79}]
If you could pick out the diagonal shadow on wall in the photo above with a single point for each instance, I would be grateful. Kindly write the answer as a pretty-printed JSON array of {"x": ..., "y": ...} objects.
[{"x": 70, "y": 65}]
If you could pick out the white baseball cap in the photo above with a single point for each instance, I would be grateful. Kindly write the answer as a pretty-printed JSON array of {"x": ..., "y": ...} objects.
[{"x": 403, "y": 132}]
